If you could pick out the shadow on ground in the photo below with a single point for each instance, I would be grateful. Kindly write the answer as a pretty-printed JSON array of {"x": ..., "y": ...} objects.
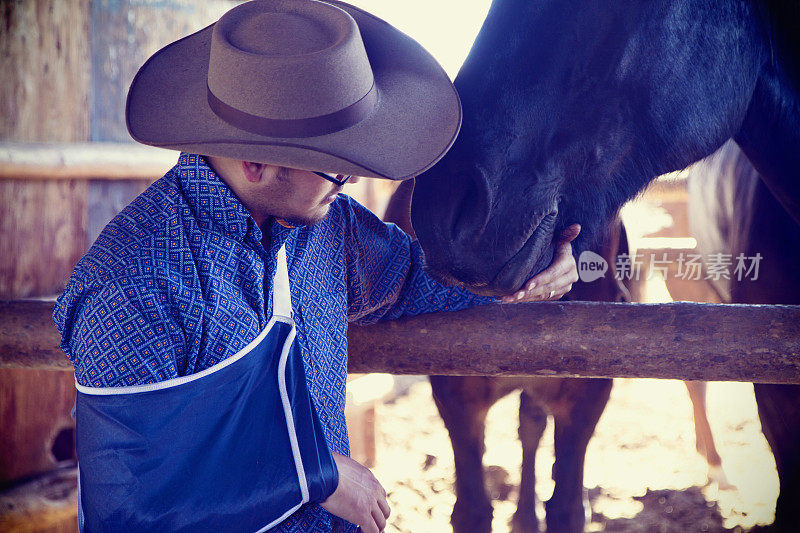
[{"x": 664, "y": 511}]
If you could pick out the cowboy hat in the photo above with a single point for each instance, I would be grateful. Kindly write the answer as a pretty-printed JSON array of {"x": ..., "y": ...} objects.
[{"x": 299, "y": 83}]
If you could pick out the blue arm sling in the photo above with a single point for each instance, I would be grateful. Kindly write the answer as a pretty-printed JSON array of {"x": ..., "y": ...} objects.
[{"x": 236, "y": 447}]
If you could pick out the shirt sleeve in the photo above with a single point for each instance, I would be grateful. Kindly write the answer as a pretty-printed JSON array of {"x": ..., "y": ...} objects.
[
  {"x": 385, "y": 274},
  {"x": 118, "y": 336}
]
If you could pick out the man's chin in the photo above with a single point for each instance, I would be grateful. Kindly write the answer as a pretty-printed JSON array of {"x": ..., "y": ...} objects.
[{"x": 308, "y": 220}]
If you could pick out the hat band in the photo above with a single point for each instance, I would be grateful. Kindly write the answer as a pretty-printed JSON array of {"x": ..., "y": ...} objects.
[{"x": 303, "y": 127}]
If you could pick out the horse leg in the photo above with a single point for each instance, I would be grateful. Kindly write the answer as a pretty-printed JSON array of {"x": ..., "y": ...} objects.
[
  {"x": 575, "y": 420},
  {"x": 703, "y": 438},
  {"x": 463, "y": 409},
  {"x": 532, "y": 423},
  {"x": 779, "y": 411}
]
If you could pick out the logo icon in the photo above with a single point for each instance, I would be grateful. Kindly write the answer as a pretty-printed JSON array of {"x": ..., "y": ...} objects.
[{"x": 591, "y": 266}]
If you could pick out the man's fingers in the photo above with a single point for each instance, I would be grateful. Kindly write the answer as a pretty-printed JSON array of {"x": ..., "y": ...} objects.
[
  {"x": 555, "y": 280},
  {"x": 384, "y": 506},
  {"x": 569, "y": 233},
  {"x": 558, "y": 290},
  {"x": 359, "y": 497},
  {"x": 368, "y": 526},
  {"x": 378, "y": 517},
  {"x": 562, "y": 264},
  {"x": 566, "y": 278}
]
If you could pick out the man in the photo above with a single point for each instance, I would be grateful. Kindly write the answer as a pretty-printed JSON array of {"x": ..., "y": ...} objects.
[{"x": 286, "y": 100}]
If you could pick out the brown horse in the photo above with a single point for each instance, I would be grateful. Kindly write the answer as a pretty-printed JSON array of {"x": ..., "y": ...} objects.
[{"x": 575, "y": 404}]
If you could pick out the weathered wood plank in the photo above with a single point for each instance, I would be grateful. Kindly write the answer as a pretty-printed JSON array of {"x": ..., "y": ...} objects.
[
  {"x": 690, "y": 341},
  {"x": 43, "y": 228},
  {"x": 678, "y": 340},
  {"x": 45, "y": 71},
  {"x": 44, "y": 96},
  {"x": 28, "y": 336},
  {"x": 45, "y": 504}
]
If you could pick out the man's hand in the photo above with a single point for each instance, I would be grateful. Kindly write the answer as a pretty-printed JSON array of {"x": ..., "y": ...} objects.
[
  {"x": 358, "y": 498},
  {"x": 556, "y": 280}
]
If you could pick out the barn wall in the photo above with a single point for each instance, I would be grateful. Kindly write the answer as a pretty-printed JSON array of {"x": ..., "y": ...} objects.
[
  {"x": 44, "y": 48},
  {"x": 65, "y": 67}
]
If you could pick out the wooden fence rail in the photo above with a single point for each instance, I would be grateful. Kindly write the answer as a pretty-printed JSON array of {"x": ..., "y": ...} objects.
[
  {"x": 689, "y": 341},
  {"x": 95, "y": 160}
]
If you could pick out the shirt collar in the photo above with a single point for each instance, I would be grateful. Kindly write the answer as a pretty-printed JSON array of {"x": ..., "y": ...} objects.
[
  {"x": 215, "y": 204},
  {"x": 279, "y": 233}
]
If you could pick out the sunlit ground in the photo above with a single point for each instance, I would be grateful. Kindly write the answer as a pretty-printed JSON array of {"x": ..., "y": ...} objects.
[{"x": 644, "y": 440}]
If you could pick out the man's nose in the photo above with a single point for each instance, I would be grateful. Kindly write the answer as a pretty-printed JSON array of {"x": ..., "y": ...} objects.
[{"x": 353, "y": 179}]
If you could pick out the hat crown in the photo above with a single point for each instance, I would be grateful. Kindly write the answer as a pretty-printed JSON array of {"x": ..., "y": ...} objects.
[
  {"x": 288, "y": 60},
  {"x": 288, "y": 34}
]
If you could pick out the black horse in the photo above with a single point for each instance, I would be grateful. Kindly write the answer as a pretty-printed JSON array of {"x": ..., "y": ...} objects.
[{"x": 571, "y": 108}]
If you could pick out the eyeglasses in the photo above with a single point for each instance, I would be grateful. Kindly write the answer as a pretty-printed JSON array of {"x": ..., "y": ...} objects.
[{"x": 333, "y": 179}]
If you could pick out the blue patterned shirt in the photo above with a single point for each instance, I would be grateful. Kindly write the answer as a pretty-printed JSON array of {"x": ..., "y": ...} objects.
[{"x": 180, "y": 280}]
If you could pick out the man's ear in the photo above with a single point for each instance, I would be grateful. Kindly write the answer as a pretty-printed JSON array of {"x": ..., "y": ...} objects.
[{"x": 253, "y": 171}]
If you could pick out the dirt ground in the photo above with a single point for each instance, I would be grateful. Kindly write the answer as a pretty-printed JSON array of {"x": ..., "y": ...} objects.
[{"x": 642, "y": 470}]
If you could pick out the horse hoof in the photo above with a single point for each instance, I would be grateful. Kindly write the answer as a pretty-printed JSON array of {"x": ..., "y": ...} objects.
[
  {"x": 565, "y": 520},
  {"x": 523, "y": 524},
  {"x": 471, "y": 519}
]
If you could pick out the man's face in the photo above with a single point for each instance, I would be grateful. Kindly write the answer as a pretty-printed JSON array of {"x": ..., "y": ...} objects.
[
  {"x": 300, "y": 197},
  {"x": 303, "y": 198}
]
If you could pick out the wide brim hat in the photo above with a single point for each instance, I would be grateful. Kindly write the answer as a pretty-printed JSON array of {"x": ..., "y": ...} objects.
[{"x": 305, "y": 84}]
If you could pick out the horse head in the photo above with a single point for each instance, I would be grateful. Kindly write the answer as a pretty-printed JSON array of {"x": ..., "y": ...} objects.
[{"x": 570, "y": 109}]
